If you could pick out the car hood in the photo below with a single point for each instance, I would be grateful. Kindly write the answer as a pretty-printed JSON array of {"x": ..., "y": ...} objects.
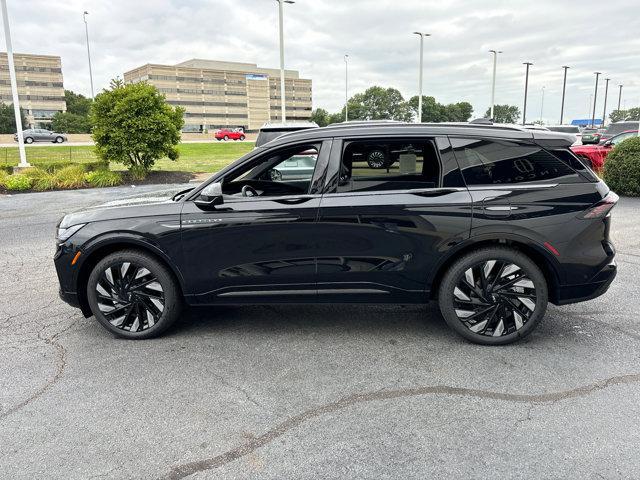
[{"x": 149, "y": 204}]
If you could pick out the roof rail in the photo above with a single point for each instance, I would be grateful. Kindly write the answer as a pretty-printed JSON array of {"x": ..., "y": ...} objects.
[{"x": 397, "y": 124}]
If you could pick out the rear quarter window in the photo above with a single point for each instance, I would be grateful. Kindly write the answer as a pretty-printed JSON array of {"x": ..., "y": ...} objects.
[{"x": 497, "y": 162}]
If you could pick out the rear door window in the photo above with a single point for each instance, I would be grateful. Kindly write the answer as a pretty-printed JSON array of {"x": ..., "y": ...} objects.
[
  {"x": 490, "y": 162},
  {"x": 389, "y": 164}
]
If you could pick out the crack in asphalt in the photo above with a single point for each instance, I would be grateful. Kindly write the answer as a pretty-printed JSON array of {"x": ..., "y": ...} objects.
[
  {"x": 61, "y": 363},
  {"x": 191, "y": 468}
]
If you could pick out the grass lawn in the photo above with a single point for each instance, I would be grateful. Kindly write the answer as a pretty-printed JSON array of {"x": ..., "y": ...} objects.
[{"x": 194, "y": 157}]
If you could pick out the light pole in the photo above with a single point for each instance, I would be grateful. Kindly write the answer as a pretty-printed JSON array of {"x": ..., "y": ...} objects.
[
  {"x": 86, "y": 34},
  {"x": 14, "y": 86},
  {"x": 542, "y": 105},
  {"x": 346, "y": 88},
  {"x": 281, "y": 16},
  {"x": 493, "y": 82},
  {"x": 606, "y": 94},
  {"x": 526, "y": 89},
  {"x": 595, "y": 99},
  {"x": 564, "y": 89},
  {"x": 619, "y": 96},
  {"x": 422, "y": 35}
]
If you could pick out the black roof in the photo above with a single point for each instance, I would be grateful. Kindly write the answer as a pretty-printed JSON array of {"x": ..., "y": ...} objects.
[{"x": 374, "y": 129}]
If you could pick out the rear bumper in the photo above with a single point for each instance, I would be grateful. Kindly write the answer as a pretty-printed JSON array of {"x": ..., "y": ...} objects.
[{"x": 588, "y": 291}]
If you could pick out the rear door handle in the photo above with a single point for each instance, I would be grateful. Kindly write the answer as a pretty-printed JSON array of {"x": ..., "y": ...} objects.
[{"x": 497, "y": 208}]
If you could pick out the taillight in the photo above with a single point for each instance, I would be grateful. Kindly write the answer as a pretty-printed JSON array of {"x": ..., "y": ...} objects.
[{"x": 600, "y": 209}]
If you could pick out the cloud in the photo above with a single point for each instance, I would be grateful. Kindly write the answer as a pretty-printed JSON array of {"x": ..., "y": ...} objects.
[{"x": 588, "y": 36}]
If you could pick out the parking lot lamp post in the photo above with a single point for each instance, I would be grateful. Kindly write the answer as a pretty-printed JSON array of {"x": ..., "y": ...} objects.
[
  {"x": 86, "y": 34},
  {"x": 346, "y": 88},
  {"x": 493, "y": 82},
  {"x": 526, "y": 90},
  {"x": 564, "y": 89},
  {"x": 595, "y": 100},
  {"x": 281, "y": 18},
  {"x": 542, "y": 104},
  {"x": 606, "y": 94},
  {"x": 619, "y": 96},
  {"x": 422, "y": 35},
  {"x": 14, "y": 85}
]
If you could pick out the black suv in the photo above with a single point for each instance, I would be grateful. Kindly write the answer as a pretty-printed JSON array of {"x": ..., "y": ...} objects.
[{"x": 492, "y": 222}]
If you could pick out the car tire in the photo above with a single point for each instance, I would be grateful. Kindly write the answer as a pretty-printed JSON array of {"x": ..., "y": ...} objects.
[
  {"x": 242, "y": 138},
  {"x": 376, "y": 158},
  {"x": 133, "y": 295},
  {"x": 59, "y": 140},
  {"x": 28, "y": 140},
  {"x": 508, "y": 287},
  {"x": 226, "y": 137}
]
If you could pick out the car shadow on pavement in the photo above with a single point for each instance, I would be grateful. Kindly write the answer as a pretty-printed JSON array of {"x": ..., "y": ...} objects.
[{"x": 409, "y": 320}]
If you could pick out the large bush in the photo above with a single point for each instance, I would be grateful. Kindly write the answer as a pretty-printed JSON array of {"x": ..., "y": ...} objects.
[
  {"x": 622, "y": 168},
  {"x": 135, "y": 126}
]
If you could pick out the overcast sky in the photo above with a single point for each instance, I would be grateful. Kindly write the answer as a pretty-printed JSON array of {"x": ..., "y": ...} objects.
[{"x": 587, "y": 35}]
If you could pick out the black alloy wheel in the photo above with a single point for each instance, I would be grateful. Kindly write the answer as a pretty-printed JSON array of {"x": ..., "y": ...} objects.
[
  {"x": 494, "y": 296},
  {"x": 133, "y": 295}
]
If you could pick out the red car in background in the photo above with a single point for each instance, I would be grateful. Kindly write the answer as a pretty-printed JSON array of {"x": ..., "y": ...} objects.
[
  {"x": 228, "y": 134},
  {"x": 595, "y": 155}
]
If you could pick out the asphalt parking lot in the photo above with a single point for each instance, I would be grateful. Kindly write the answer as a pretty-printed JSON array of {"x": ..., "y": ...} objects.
[{"x": 308, "y": 392}]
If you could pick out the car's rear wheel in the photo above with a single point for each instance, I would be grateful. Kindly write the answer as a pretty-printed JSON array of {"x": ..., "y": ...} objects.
[
  {"x": 226, "y": 137},
  {"x": 133, "y": 295},
  {"x": 242, "y": 138},
  {"x": 493, "y": 296},
  {"x": 28, "y": 140},
  {"x": 377, "y": 158}
]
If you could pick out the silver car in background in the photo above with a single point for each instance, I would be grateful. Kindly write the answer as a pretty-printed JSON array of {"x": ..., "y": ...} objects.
[{"x": 41, "y": 135}]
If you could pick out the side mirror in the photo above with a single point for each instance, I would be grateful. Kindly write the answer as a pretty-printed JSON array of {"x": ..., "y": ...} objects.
[
  {"x": 210, "y": 196},
  {"x": 608, "y": 143}
]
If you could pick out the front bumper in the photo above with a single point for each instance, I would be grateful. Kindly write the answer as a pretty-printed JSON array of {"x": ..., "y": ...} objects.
[
  {"x": 69, "y": 297},
  {"x": 588, "y": 291}
]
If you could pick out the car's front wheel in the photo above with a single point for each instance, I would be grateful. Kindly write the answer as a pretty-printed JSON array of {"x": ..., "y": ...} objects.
[
  {"x": 226, "y": 137},
  {"x": 133, "y": 295},
  {"x": 59, "y": 140},
  {"x": 493, "y": 296},
  {"x": 28, "y": 140}
]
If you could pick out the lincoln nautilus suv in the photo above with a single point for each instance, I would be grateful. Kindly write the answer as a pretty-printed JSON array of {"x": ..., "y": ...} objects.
[{"x": 490, "y": 222}]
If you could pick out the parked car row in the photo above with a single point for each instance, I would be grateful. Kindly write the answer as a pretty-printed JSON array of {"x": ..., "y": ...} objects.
[{"x": 595, "y": 155}]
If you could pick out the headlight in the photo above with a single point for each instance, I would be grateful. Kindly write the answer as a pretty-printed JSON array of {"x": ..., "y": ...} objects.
[{"x": 65, "y": 233}]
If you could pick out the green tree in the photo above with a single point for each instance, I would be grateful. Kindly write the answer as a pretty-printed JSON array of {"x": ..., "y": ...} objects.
[
  {"x": 134, "y": 125},
  {"x": 378, "y": 103},
  {"x": 320, "y": 116},
  {"x": 619, "y": 115},
  {"x": 432, "y": 111},
  {"x": 77, "y": 104},
  {"x": 66, "y": 122},
  {"x": 8, "y": 119},
  {"x": 504, "y": 113}
]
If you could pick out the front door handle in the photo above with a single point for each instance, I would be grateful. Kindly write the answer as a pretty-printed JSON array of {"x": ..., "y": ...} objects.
[{"x": 293, "y": 201}]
